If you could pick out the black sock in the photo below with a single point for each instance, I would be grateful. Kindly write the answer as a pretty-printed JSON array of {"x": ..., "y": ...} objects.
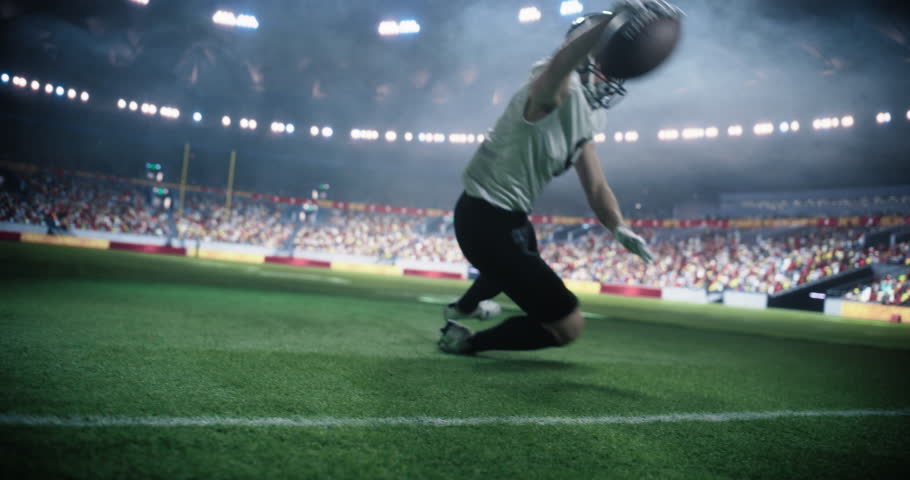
[{"x": 515, "y": 333}]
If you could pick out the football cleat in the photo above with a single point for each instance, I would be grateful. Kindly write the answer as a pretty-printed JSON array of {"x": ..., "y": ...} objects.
[
  {"x": 455, "y": 338},
  {"x": 485, "y": 309}
]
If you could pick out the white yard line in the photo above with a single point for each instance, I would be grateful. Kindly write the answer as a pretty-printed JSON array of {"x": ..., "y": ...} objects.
[{"x": 324, "y": 422}]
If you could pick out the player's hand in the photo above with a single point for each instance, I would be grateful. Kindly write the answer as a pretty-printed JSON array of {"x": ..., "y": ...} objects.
[{"x": 633, "y": 243}]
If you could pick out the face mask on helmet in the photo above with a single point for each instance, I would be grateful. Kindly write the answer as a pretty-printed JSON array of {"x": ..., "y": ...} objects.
[
  {"x": 640, "y": 35},
  {"x": 600, "y": 91}
]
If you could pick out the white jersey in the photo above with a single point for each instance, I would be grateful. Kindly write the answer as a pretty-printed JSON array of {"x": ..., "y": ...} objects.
[{"x": 518, "y": 158}]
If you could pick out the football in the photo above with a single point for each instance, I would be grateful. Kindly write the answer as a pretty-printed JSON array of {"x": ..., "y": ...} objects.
[{"x": 638, "y": 39}]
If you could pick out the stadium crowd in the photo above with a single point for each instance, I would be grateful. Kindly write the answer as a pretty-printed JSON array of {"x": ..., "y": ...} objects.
[
  {"x": 714, "y": 260},
  {"x": 890, "y": 290}
]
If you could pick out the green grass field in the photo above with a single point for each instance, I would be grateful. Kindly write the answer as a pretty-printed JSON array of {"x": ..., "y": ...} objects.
[{"x": 144, "y": 362}]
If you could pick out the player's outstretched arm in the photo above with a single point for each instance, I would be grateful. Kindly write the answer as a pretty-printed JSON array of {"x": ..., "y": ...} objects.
[
  {"x": 604, "y": 204},
  {"x": 551, "y": 86}
]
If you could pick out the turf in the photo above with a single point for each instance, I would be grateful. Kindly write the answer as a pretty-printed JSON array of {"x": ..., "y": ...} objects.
[{"x": 120, "y": 334}]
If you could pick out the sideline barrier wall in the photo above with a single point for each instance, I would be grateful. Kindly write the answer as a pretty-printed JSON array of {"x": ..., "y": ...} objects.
[
  {"x": 631, "y": 291},
  {"x": 875, "y": 311},
  {"x": 433, "y": 274},
  {"x": 367, "y": 268},
  {"x": 298, "y": 262},
  {"x": 10, "y": 236},
  {"x": 159, "y": 249},
  {"x": 65, "y": 240},
  {"x": 227, "y": 256},
  {"x": 583, "y": 287},
  {"x": 688, "y": 295},
  {"x": 746, "y": 300}
]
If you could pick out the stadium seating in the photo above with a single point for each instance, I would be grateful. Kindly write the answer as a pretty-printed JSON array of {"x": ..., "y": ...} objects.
[{"x": 764, "y": 261}]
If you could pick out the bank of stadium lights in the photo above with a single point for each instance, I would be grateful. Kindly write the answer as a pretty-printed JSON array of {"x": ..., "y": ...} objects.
[
  {"x": 281, "y": 127},
  {"x": 882, "y": 118},
  {"x": 170, "y": 113},
  {"x": 735, "y": 131},
  {"x": 828, "y": 123},
  {"x": 529, "y": 15},
  {"x": 624, "y": 137},
  {"x": 325, "y": 132},
  {"x": 35, "y": 85},
  {"x": 668, "y": 135},
  {"x": 763, "y": 129},
  {"x": 4, "y": 78},
  {"x": 391, "y": 136},
  {"x": 600, "y": 137},
  {"x": 197, "y": 117},
  {"x": 571, "y": 7},
  {"x": 391, "y": 28},
  {"x": 230, "y": 19},
  {"x": 248, "y": 124},
  {"x": 226, "y": 121},
  {"x": 140, "y": 2}
]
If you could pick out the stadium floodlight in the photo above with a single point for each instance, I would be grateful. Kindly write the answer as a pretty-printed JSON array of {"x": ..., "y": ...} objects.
[
  {"x": 529, "y": 15},
  {"x": 631, "y": 136},
  {"x": 289, "y": 128},
  {"x": 4, "y": 78},
  {"x": 19, "y": 82},
  {"x": 422, "y": 137},
  {"x": 439, "y": 137},
  {"x": 253, "y": 124},
  {"x": 314, "y": 131},
  {"x": 389, "y": 28},
  {"x": 408, "y": 27},
  {"x": 847, "y": 121},
  {"x": 244, "y": 123},
  {"x": 36, "y": 85},
  {"x": 197, "y": 117},
  {"x": 598, "y": 138},
  {"x": 133, "y": 106},
  {"x": 391, "y": 136},
  {"x": 48, "y": 89},
  {"x": 141, "y": 2},
  {"x": 784, "y": 127},
  {"x": 152, "y": 109},
  {"x": 226, "y": 121},
  {"x": 84, "y": 96},
  {"x": 735, "y": 131},
  {"x": 711, "y": 132},
  {"x": 121, "y": 104},
  {"x": 71, "y": 94},
  {"x": 693, "y": 133},
  {"x": 668, "y": 134},
  {"x": 277, "y": 127},
  {"x": 570, "y": 7},
  {"x": 835, "y": 122},
  {"x": 763, "y": 129},
  {"x": 229, "y": 19},
  {"x": 60, "y": 91},
  {"x": 408, "y": 136},
  {"x": 480, "y": 138},
  {"x": 908, "y": 114},
  {"x": 883, "y": 117},
  {"x": 327, "y": 132},
  {"x": 617, "y": 137},
  {"x": 794, "y": 126}
]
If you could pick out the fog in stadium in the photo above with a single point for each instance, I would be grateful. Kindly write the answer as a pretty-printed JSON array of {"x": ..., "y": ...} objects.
[
  {"x": 274, "y": 239},
  {"x": 323, "y": 63}
]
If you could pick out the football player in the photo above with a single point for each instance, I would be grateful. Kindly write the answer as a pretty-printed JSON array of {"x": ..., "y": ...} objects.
[{"x": 547, "y": 129}]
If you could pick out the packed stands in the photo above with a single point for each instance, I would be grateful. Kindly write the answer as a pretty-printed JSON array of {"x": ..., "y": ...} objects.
[
  {"x": 714, "y": 259},
  {"x": 890, "y": 290}
]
